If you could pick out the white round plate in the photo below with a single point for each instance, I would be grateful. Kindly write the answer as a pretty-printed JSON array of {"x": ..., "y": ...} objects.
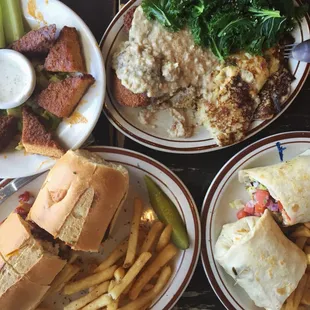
[
  {"x": 226, "y": 188},
  {"x": 126, "y": 119},
  {"x": 38, "y": 13},
  {"x": 138, "y": 166}
]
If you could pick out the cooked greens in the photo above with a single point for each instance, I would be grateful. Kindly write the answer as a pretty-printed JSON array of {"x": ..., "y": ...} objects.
[{"x": 228, "y": 26}]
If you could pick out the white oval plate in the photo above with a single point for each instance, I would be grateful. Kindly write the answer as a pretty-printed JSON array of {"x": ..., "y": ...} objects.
[
  {"x": 19, "y": 164},
  {"x": 126, "y": 119},
  {"x": 226, "y": 188},
  {"x": 139, "y": 165}
]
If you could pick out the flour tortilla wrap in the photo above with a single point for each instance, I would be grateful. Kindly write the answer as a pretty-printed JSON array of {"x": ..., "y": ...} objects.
[
  {"x": 254, "y": 251},
  {"x": 289, "y": 183}
]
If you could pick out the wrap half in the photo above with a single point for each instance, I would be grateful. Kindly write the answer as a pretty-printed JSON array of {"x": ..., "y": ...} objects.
[
  {"x": 288, "y": 183},
  {"x": 256, "y": 253}
]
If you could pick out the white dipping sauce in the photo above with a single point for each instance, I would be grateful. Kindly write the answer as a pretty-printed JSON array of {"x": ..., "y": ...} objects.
[
  {"x": 13, "y": 80},
  {"x": 17, "y": 79}
]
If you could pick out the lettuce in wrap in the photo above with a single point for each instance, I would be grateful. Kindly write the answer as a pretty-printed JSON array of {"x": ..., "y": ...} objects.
[{"x": 284, "y": 189}]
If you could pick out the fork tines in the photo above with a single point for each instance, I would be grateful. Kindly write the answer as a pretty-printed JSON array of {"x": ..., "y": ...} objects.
[{"x": 287, "y": 50}]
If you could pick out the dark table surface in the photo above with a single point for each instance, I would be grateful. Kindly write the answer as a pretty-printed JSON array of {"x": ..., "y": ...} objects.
[{"x": 196, "y": 171}]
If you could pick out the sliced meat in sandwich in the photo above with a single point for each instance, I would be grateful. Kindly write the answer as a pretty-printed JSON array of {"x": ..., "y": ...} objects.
[
  {"x": 66, "y": 54},
  {"x": 36, "y": 42},
  {"x": 79, "y": 199},
  {"x": 61, "y": 98},
  {"x": 27, "y": 265}
]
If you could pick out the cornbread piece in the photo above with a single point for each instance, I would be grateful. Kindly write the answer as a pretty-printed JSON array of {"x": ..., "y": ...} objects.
[
  {"x": 61, "y": 98},
  {"x": 8, "y": 129},
  {"x": 66, "y": 54},
  {"x": 229, "y": 116},
  {"x": 274, "y": 94},
  {"x": 127, "y": 98},
  {"x": 36, "y": 139},
  {"x": 36, "y": 42}
]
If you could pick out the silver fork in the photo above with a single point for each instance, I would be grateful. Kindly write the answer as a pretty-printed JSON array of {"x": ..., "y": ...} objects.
[{"x": 298, "y": 51}]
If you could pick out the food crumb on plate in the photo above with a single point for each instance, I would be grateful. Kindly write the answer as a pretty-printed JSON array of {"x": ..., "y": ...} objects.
[{"x": 179, "y": 127}]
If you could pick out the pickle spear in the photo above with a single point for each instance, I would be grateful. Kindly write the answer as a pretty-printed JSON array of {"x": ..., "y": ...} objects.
[{"x": 167, "y": 213}]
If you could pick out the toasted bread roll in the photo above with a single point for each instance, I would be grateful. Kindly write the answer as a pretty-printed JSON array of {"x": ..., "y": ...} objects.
[{"x": 91, "y": 191}]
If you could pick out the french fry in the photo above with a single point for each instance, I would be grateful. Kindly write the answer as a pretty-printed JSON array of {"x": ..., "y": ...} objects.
[
  {"x": 162, "y": 279},
  {"x": 148, "y": 287},
  {"x": 111, "y": 285},
  {"x": 94, "y": 294},
  {"x": 113, "y": 305},
  {"x": 147, "y": 306},
  {"x": 151, "y": 237},
  {"x": 307, "y": 249},
  {"x": 306, "y": 296},
  {"x": 299, "y": 292},
  {"x": 65, "y": 275},
  {"x": 301, "y": 241},
  {"x": 89, "y": 281},
  {"x": 128, "y": 288},
  {"x": 134, "y": 233},
  {"x": 119, "y": 274},
  {"x": 301, "y": 231},
  {"x": 116, "y": 254},
  {"x": 146, "y": 299},
  {"x": 130, "y": 275},
  {"x": 73, "y": 258},
  {"x": 307, "y": 224},
  {"x": 164, "y": 238},
  {"x": 161, "y": 260},
  {"x": 98, "y": 303},
  {"x": 308, "y": 259}
]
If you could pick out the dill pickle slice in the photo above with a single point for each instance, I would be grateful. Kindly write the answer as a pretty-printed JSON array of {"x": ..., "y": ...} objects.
[{"x": 167, "y": 213}]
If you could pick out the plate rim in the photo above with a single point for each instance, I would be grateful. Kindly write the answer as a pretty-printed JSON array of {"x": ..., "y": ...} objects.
[
  {"x": 48, "y": 161},
  {"x": 204, "y": 214},
  {"x": 187, "y": 195},
  {"x": 189, "y": 198},
  {"x": 164, "y": 147}
]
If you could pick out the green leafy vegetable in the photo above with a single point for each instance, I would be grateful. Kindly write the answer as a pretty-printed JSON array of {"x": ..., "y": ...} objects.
[{"x": 228, "y": 26}]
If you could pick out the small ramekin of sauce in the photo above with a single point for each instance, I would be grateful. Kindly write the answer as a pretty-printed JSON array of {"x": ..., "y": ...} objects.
[{"x": 17, "y": 79}]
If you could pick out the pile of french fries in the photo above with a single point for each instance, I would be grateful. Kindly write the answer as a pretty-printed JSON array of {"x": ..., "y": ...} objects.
[
  {"x": 300, "y": 298},
  {"x": 131, "y": 277}
]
